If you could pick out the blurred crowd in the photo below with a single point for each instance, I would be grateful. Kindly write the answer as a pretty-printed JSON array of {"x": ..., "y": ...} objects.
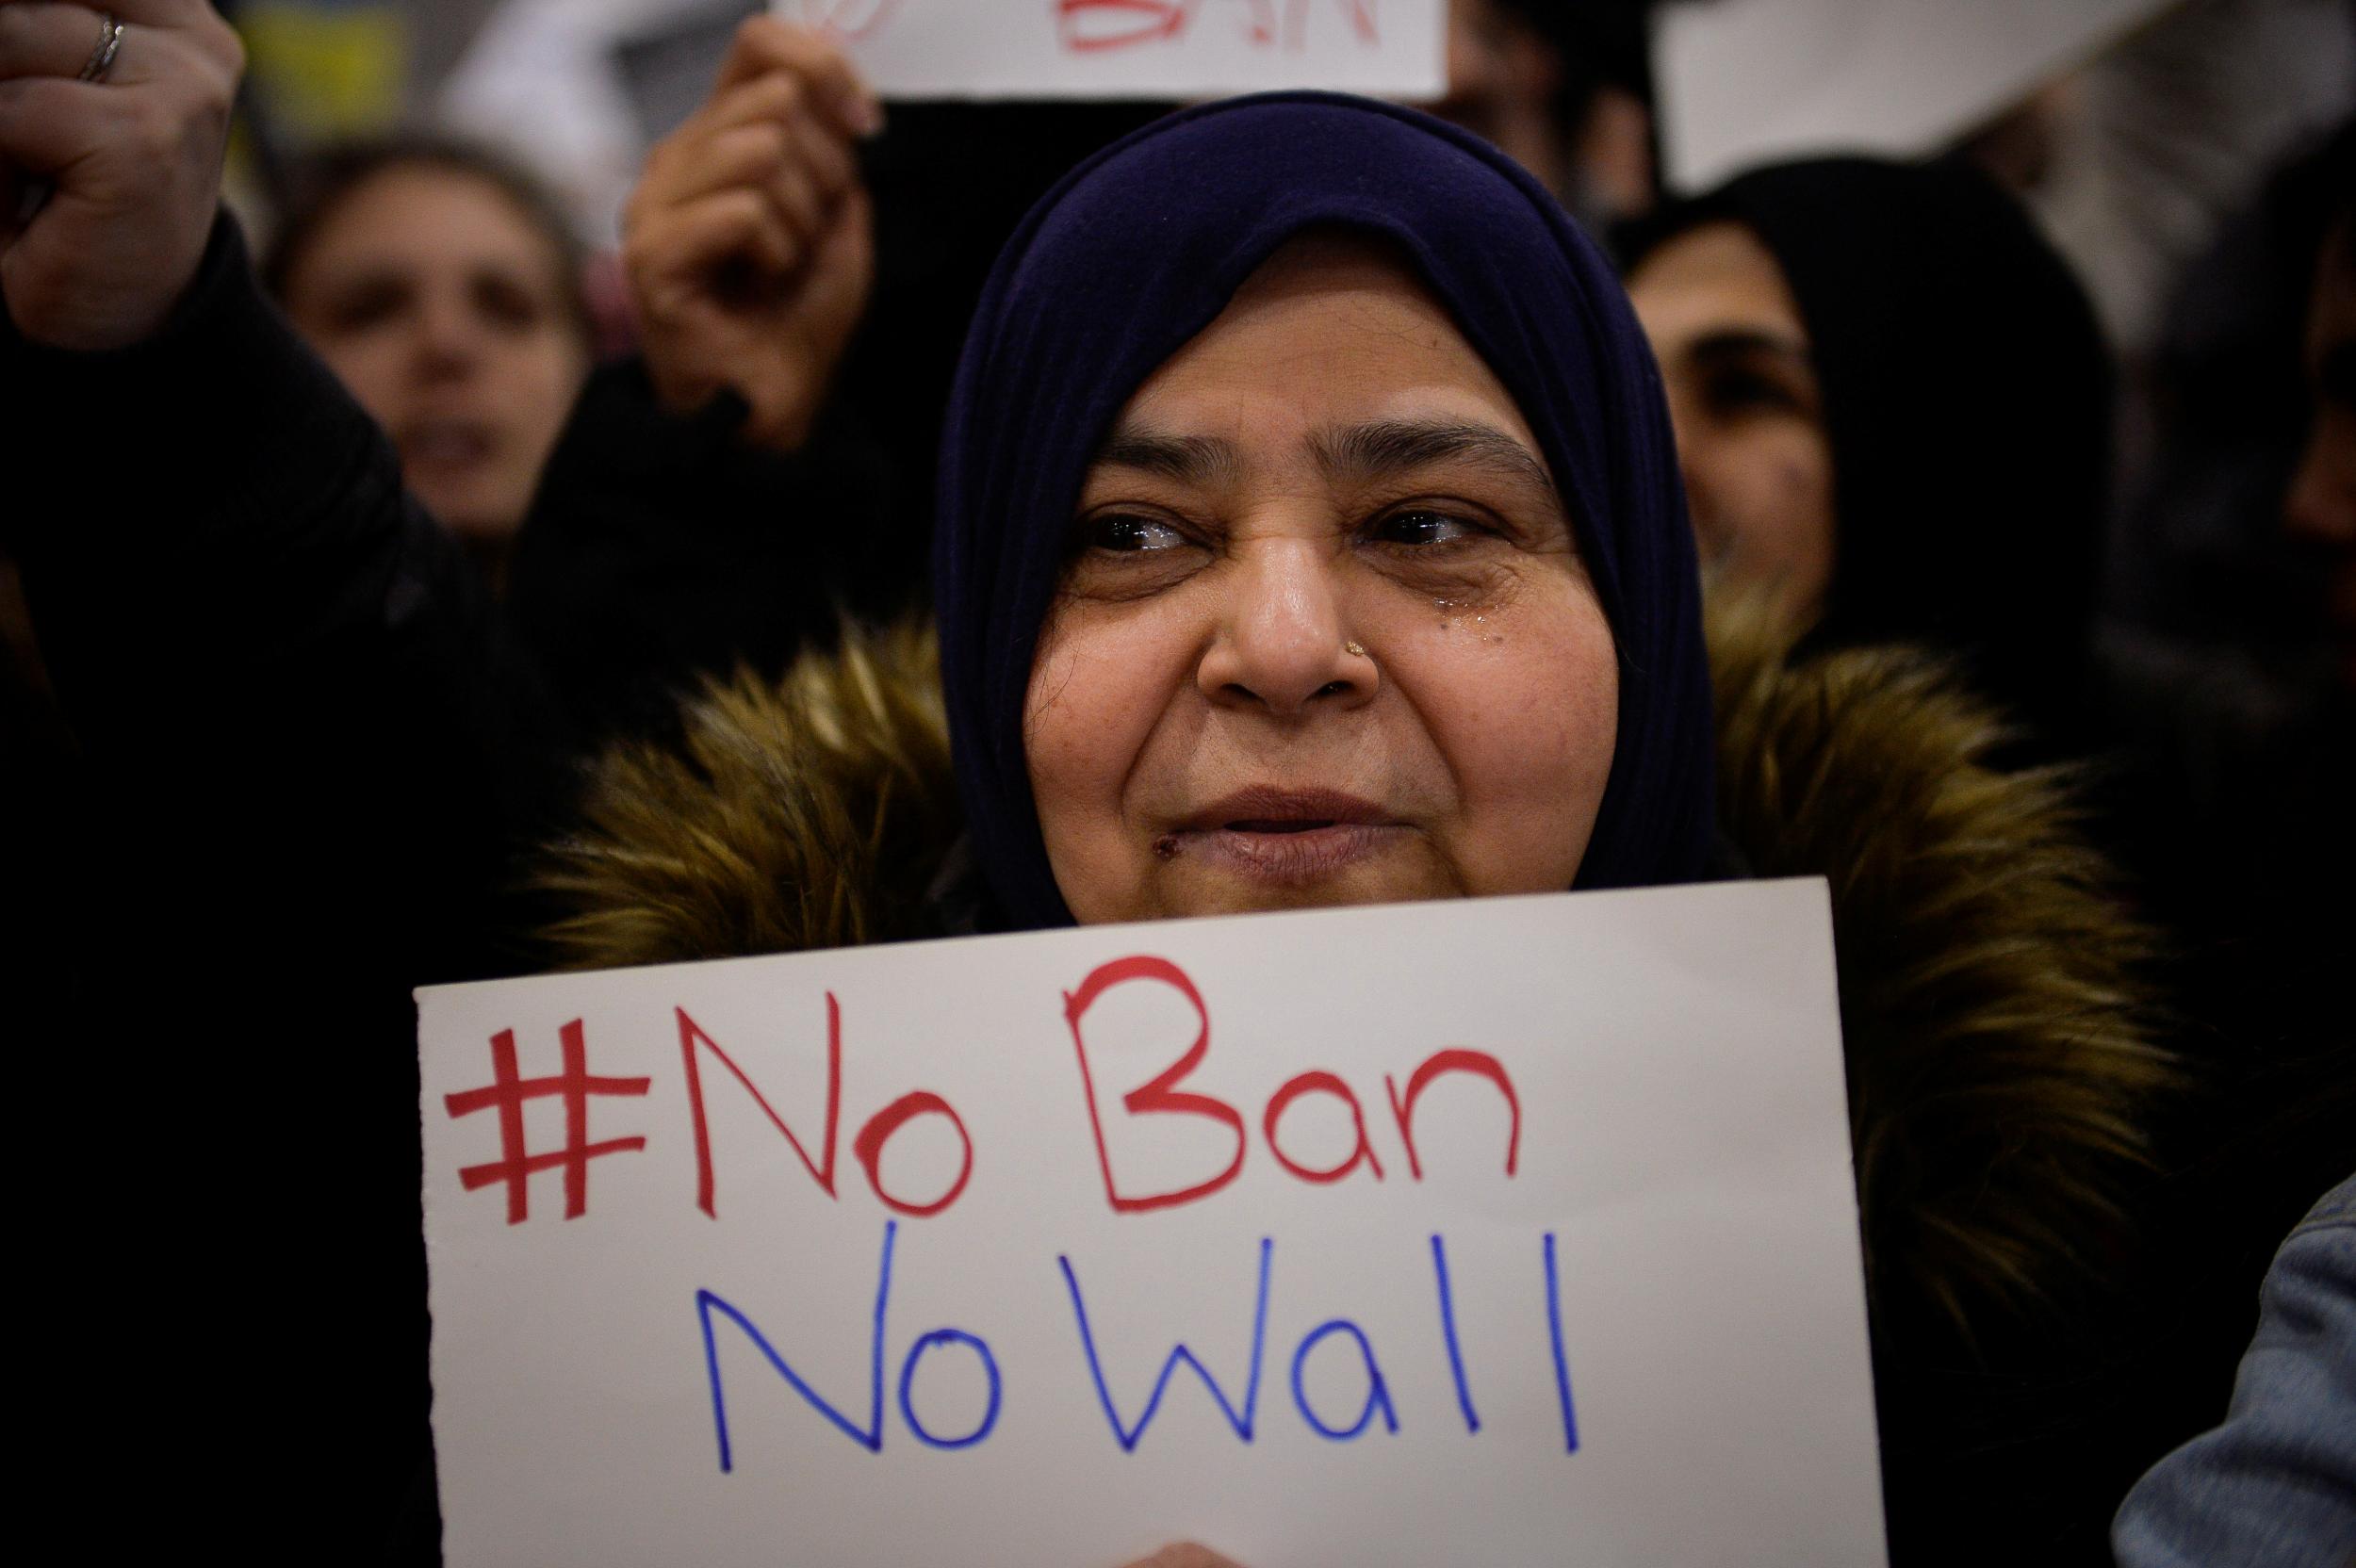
[{"x": 2068, "y": 406}]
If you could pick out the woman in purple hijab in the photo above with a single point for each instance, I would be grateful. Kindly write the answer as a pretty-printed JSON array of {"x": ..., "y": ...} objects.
[{"x": 1311, "y": 533}]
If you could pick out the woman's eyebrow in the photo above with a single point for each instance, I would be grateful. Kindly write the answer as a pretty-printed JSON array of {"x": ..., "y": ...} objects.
[
  {"x": 1182, "y": 459},
  {"x": 1729, "y": 344},
  {"x": 1385, "y": 448}
]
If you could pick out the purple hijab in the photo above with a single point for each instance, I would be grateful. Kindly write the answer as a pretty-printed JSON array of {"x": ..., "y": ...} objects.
[{"x": 1140, "y": 248}]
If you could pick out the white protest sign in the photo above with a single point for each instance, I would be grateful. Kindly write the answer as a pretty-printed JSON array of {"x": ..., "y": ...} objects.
[
  {"x": 1509, "y": 1231},
  {"x": 1747, "y": 81},
  {"x": 1137, "y": 48}
]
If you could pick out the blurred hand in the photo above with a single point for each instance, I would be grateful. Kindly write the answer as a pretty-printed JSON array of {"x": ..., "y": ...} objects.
[
  {"x": 749, "y": 241},
  {"x": 1185, "y": 1555},
  {"x": 135, "y": 159}
]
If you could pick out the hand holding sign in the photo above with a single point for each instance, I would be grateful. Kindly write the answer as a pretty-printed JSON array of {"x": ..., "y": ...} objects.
[{"x": 749, "y": 241}]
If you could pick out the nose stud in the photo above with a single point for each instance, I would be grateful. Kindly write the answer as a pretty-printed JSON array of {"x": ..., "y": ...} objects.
[{"x": 1353, "y": 650}]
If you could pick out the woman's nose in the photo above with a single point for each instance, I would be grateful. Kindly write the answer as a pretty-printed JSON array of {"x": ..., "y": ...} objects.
[
  {"x": 449, "y": 339},
  {"x": 1281, "y": 645}
]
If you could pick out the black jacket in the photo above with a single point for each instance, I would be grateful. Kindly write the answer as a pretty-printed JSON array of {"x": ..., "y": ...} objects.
[
  {"x": 315, "y": 746},
  {"x": 309, "y": 743}
]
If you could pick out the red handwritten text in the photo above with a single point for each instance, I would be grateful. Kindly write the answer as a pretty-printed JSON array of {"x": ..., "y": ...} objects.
[
  {"x": 507, "y": 1092},
  {"x": 1163, "y": 1097},
  {"x": 867, "y": 1147},
  {"x": 1097, "y": 26}
]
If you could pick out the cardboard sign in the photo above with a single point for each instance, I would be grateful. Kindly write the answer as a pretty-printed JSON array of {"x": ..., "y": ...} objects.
[
  {"x": 1750, "y": 81},
  {"x": 1509, "y": 1231},
  {"x": 1137, "y": 48}
]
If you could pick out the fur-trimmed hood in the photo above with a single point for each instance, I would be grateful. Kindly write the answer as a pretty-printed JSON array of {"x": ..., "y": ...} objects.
[{"x": 1999, "y": 1057}]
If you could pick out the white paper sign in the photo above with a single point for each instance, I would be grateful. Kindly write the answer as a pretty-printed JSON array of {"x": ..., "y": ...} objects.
[
  {"x": 1137, "y": 48},
  {"x": 1747, "y": 81},
  {"x": 1505, "y": 1232}
]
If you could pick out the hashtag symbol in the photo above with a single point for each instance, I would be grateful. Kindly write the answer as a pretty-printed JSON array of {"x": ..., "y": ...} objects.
[{"x": 508, "y": 1091}]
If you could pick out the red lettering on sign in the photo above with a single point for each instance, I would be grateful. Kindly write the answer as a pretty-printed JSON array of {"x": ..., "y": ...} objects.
[
  {"x": 1089, "y": 27},
  {"x": 870, "y": 1143},
  {"x": 1320, "y": 1083},
  {"x": 821, "y": 1171},
  {"x": 507, "y": 1094},
  {"x": 1162, "y": 1096},
  {"x": 1477, "y": 1062},
  {"x": 1094, "y": 26}
]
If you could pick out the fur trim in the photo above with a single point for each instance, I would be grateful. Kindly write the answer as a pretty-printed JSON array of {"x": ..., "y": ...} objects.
[
  {"x": 811, "y": 813},
  {"x": 2000, "y": 1056},
  {"x": 1999, "y": 1061}
]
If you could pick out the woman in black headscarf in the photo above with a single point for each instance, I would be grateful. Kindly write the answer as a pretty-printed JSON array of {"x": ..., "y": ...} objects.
[{"x": 1893, "y": 406}]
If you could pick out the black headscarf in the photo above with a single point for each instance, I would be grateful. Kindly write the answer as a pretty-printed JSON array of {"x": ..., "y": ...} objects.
[
  {"x": 1967, "y": 393},
  {"x": 1137, "y": 251}
]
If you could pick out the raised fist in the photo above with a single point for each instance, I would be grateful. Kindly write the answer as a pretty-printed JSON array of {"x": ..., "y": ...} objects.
[
  {"x": 122, "y": 115},
  {"x": 749, "y": 241}
]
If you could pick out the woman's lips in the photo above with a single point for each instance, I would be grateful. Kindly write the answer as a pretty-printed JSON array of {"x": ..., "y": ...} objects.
[
  {"x": 1283, "y": 836},
  {"x": 1292, "y": 856},
  {"x": 444, "y": 444},
  {"x": 1275, "y": 806}
]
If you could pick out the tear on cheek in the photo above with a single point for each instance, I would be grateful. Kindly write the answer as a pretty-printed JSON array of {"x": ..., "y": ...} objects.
[{"x": 1050, "y": 678}]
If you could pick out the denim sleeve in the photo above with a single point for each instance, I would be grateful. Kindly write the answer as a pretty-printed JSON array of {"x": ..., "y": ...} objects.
[{"x": 2275, "y": 1484}]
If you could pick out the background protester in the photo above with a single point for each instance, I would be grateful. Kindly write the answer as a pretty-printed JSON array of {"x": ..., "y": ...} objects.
[
  {"x": 2261, "y": 820},
  {"x": 765, "y": 465},
  {"x": 2225, "y": 676},
  {"x": 1892, "y": 408},
  {"x": 303, "y": 756},
  {"x": 2198, "y": 560},
  {"x": 1914, "y": 445},
  {"x": 446, "y": 289}
]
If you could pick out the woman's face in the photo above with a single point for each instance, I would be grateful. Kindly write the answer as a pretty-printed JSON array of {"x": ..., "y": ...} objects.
[
  {"x": 1750, "y": 415},
  {"x": 1324, "y": 636},
  {"x": 445, "y": 311}
]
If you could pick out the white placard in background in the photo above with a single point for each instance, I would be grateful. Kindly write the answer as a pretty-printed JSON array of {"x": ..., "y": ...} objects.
[
  {"x": 1746, "y": 81},
  {"x": 1137, "y": 48},
  {"x": 1507, "y": 1231}
]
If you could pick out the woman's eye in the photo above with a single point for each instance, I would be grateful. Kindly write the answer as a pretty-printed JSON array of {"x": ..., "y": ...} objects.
[
  {"x": 368, "y": 305},
  {"x": 506, "y": 303},
  {"x": 1419, "y": 526},
  {"x": 1125, "y": 533},
  {"x": 1738, "y": 391}
]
